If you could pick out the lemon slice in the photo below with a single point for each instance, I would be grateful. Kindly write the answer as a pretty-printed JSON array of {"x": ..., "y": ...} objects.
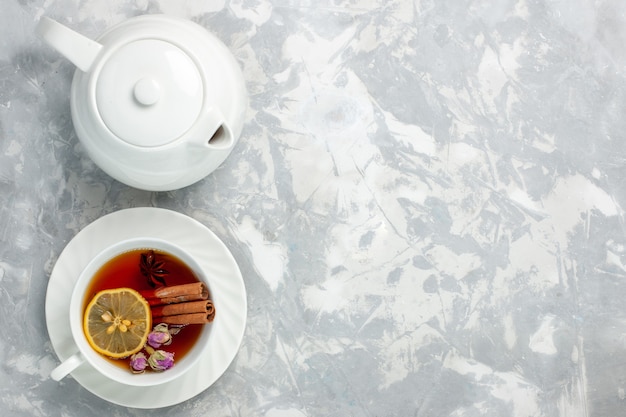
[{"x": 117, "y": 322}]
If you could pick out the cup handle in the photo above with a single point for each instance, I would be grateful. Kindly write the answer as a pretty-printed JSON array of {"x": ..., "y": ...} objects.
[{"x": 67, "y": 366}]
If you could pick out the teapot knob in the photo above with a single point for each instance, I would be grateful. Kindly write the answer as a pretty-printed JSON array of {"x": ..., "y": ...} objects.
[{"x": 147, "y": 91}]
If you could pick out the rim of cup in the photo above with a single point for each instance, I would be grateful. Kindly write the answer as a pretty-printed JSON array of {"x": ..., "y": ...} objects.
[{"x": 78, "y": 300}]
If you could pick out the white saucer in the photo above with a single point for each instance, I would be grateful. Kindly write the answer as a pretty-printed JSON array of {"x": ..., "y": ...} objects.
[{"x": 215, "y": 259}]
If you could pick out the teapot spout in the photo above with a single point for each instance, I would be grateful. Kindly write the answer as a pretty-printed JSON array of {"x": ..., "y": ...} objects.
[
  {"x": 80, "y": 50},
  {"x": 220, "y": 137}
]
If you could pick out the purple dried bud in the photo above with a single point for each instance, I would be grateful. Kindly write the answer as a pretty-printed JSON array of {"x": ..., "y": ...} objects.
[
  {"x": 138, "y": 363},
  {"x": 159, "y": 336},
  {"x": 161, "y": 360}
]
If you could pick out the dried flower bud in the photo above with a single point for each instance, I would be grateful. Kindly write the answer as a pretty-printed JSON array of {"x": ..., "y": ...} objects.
[
  {"x": 161, "y": 360},
  {"x": 159, "y": 336},
  {"x": 138, "y": 363}
]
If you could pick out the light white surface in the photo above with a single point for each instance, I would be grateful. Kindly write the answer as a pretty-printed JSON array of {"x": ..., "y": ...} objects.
[
  {"x": 426, "y": 201},
  {"x": 227, "y": 289}
]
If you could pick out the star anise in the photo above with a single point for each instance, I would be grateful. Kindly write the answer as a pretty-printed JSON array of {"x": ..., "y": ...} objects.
[{"x": 152, "y": 268}]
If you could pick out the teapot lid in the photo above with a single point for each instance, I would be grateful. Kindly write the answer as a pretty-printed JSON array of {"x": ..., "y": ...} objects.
[{"x": 149, "y": 92}]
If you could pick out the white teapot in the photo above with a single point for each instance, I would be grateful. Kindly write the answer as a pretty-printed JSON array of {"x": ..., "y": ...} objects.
[{"x": 158, "y": 102}]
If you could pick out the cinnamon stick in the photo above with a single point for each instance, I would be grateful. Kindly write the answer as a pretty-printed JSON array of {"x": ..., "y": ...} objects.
[
  {"x": 190, "y": 307},
  {"x": 181, "y": 304},
  {"x": 176, "y": 294},
  {"x": 193, "y": 318}
]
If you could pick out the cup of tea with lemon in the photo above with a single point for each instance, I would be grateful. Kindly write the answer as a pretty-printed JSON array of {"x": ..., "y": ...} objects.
[{"x": 140, "y": 313}]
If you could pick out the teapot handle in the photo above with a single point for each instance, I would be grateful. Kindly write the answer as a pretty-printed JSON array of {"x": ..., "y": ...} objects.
[
  {"x": 80, "y": 50},
  {"x": 212, "y": 133}
]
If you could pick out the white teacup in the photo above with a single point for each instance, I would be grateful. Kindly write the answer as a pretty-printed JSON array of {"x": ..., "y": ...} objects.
[{"x": 86, "y": 356}]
